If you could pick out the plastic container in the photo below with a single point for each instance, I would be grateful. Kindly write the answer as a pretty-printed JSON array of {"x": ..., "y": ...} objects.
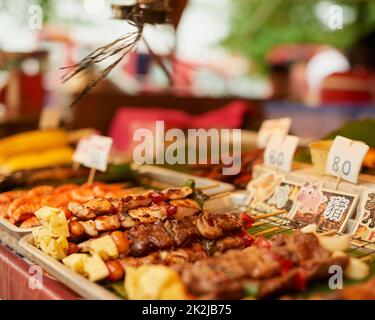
[{"x": 319, "y": 155}]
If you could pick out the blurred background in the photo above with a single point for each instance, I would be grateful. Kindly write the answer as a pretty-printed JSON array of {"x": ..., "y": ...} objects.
[{"x": 230, "y": 63}]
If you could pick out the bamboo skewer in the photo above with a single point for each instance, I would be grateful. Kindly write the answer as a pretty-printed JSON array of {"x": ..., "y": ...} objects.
[
  {"x": 328, "y": 233},
  {"x": 257, "y": 224},
  {"x": 267, "y": 215},
  {"x": 260, "y": 233},
  {"x": 220, "y": 195},
  {"x": 91, "y": 178},
  {"x": 212, "y": 186}
]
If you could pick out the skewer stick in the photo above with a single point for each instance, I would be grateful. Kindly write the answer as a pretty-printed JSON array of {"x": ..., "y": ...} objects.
[
  {"x": 261, "y": 233},
  {"x": 328, "y": 233},
  {"x": 212, "y": 186},
  {"x": 257, "y": 224},
  {"x": 91, "y": 178},
  {"x": 220, "y": 195},
  {"x": 338, "y": 180},
  {"x": 75, "y": 166},
  {"x": 267, "y": 215}
]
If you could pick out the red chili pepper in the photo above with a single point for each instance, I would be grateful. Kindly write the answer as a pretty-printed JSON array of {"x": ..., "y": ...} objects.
[
  {"x": 301, "y": 280},
  {"x": 248, "y": 221},
  {"x": 262, "y": 242},
  {"x": 171, "y": 211},
  {"x": 248, "y": 239}
]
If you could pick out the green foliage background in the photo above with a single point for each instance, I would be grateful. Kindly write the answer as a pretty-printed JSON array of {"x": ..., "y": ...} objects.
[{"x": 259, "y": 25}]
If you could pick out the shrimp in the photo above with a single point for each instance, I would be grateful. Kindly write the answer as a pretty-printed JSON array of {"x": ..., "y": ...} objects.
[
  {"x": 40, "y": 190},
  {"x": 30, "y": 222},
  {"x": 25, "y": 211}
]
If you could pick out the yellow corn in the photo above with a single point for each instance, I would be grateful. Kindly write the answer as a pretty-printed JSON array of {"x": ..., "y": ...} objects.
[
  {"x": 32, "y": 141},
  {"x": 50, "y": 157}
]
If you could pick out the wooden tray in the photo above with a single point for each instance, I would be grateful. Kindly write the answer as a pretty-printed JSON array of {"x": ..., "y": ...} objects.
[{"x": 76, "y": 282}]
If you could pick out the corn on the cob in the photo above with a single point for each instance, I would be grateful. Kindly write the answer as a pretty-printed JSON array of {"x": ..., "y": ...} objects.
[
  {"x": 50, "y": 157},
  {"x": 32, "y": 141}
]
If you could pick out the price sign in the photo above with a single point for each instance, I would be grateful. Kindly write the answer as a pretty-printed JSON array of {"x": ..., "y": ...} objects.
[
  {"x": 345, "y": 158},
  {"x": 50, "y": 118},
  {"x": 82, "y": 150},
  {"x": 98, "y": 152},
  {"x": 280, "y": 151},
  {"x": 270, "y": 127}
]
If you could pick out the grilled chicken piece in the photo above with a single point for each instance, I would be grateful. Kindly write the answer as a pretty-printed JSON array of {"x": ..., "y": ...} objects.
[
  {"x": 90, "y": 228},
  {"x": 153, "y": 213},
  {"x": 85, "y": 246},
  {"x": 127, "y": 221},
  {"x": 177, "y": 193},
  {"x": 91, "y": 208},
  {"x": 130, "y": 202},
  {"x": 80, "y": 211},
  {"x": 100, "y": 206},
  {"x": 213, "y": 226},
  {"x": 185, "y": 208},
  {"x": 107, "y": 223}
]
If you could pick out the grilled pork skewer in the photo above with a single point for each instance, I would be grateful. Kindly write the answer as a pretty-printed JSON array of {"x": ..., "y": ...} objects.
[
  {"x": 195, "y": 252},
  {"x": 146, "y": 238},
  {"x": 271, "y": 267}
]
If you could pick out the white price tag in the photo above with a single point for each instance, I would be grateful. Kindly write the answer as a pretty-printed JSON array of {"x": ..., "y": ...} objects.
[
  {"x": 270, "y": 127},
  {"x": 82, "y": 150},
  {"x": 50, "y": 118},
  {"x": 280, "y": 151},
  {"x": 98, "y": 152},
  {"x": 345, "y": 158}
]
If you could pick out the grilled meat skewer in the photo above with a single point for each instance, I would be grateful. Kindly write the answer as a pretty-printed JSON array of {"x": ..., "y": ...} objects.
[{"x": 283, "y": 263}]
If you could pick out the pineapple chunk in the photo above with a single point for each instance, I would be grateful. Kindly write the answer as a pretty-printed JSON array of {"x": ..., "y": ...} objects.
[
  {"x": 44, "y": 214},
  {"x": 58, "y": 226},
  {"x": 54, "y": 221},
  {"x": 357, "y": 269},
  {"x": 104, "y": 247},
  {"x": 38, "y": 234},
  {"x": 95, "y": 268},
  {"x": 153, "y": 282},
  {"x": 76, "y": 262},
  {"x": 56, "y": 248}
]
